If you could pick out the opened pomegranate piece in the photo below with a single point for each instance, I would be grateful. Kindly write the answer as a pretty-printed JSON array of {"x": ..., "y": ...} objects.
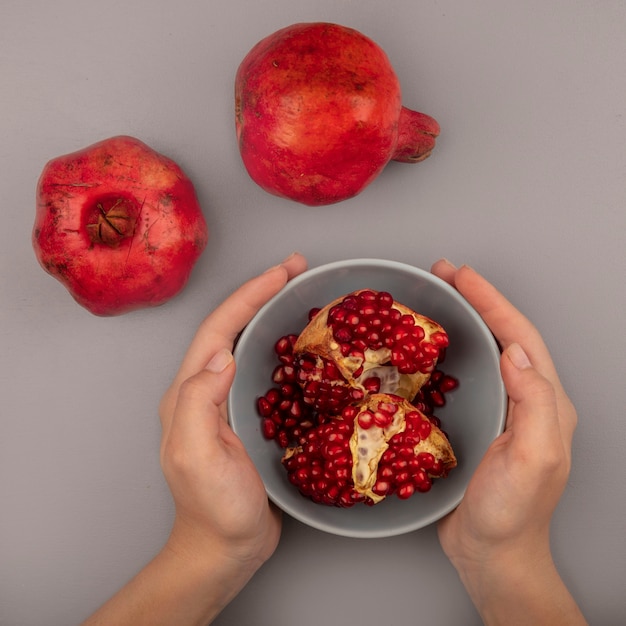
[{"x": 354, "y": 399}]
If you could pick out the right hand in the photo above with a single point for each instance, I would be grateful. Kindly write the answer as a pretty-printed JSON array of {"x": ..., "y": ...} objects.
[{"x": 512, "y": 496}]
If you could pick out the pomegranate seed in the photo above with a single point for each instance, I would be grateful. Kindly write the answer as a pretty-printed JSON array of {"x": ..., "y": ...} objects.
[
  {"x": 437, "y": 398},
  {"x": 361, "y": 330},
  {"x": 289, "y": 423},
  {"x": 350, "y": 303},
  {"x": 345, "y": 498},
  {"x": 399, "y": 332},
  {"x": 426, "y": 366},
  {"x": 403, "y": 477},
  {"x": 448, "y": 383},
  {"x": 384, "y": 299},
  {"x": 424, "y": 429},
  {"x": 436, "y": 469},
  {"x": 405, "y": 491},
  {"x": 424, "y": 486},
  {"x": 406, "y": 452},
  {"x": 426, "y": 460},
  {"x": 343, "y": 334},
  {"x": 372, "y": 384},
  {"x": 381, "y": 487},
  {"x": 367, "y": 295},
  {"x": 417, "y": 332},
  {"x": 269, "y": 428},
  {"x": 264, "y": 407},
  {"x": 313, "y": 312},
  {"x": 352, "y": 319},
  {"x": 367, "y": 310},
  {"x": 307, "y": 364},
  {"x": 285, "y": 345},
  {"x": 382, "y": 419},
  {"x": 331, "y": 371},
  {"x": 349, "y": 413},
  {"x": 343, "y": 466},
  {"x": 272, "y": 396},
  {"x": 330, "y": 452},
  {"x": 365, "y": 419},
  {"x": 440, "y": 339},
  {"x": 295, "y": 409},
  {"x": 385, "y": 472},
  {"x": 357, "y": 394},
  {"x": 430, "y": 350}
]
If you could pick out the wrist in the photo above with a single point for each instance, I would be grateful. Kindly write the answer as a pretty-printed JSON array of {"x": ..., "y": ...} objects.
[
  {"x": 203, "y": 550},
  {"x": 518, "y": 586}
]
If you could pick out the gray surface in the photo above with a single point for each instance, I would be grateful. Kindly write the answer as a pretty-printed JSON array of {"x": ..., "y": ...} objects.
[{"x": 527, "y": 184}]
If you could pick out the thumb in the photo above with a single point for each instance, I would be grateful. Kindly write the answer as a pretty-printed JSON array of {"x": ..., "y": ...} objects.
[
  {"x": 201, "y": 396},
  {"x": 533, "y": 413},
  {"x": 220, "y": 366}
]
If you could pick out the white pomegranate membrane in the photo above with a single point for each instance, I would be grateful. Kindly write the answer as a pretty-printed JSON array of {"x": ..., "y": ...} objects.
[{"x": 353, "y": 402}]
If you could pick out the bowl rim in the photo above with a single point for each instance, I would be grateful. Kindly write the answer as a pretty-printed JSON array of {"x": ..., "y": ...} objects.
[{"x": 364, "y": 262}]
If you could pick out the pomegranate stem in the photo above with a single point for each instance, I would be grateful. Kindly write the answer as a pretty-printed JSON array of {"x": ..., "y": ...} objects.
[{"x": 417, "y": 133}]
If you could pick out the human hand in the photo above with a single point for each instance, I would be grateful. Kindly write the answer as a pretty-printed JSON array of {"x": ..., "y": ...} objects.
[
  {"x": 224, "y": 527},
  {"x": 219, "y": 497},
  {"x": 499, "y": 534}
]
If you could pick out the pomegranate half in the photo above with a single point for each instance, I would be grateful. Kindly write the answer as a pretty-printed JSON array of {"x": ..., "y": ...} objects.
[
  {"x": 119, "y": 225},
  {"x": 318, "y": 114}
]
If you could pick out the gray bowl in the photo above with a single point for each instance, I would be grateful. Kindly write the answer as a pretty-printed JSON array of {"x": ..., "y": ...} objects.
[{"x": 474, "y": 414}]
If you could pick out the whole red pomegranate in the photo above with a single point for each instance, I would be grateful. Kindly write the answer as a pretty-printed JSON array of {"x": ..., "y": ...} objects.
[
  {"x": 319, "y": 114},
  {"x": 119, "y": 225}
]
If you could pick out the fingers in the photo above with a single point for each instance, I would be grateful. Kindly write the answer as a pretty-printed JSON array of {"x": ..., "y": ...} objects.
[
  {"x": 444, "y": 270},
  {"x": 221, "y": 327},
  {"x": 197, "y": 413},
  {"x": 538, "y": 430},
  {"x": 509, "y": 326},
  {"x": 506, "y": 323}
]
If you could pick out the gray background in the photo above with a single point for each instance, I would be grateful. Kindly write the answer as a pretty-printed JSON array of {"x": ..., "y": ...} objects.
[{"x": 527, "y": 184}]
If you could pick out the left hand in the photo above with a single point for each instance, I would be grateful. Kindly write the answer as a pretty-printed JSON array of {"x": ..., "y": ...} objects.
[{"x": 219, "y": 497}]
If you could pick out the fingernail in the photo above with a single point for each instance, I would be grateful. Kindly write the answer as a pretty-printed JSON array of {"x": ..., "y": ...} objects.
[
  {"x": 270, "y": 269},
  {"x": 448, "y": 263},
  {"x": 220, "y": 361},
  {"x": 289, "y": 257},
  {"x": 518, "y": 357}
]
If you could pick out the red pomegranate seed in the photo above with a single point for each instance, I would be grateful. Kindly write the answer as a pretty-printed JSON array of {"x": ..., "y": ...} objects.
[
  {"x": 384, "y": 299},
  {"x": 405, "y": 491},
  {"x": 437, "y": 398},
  {"x": 440, "y": 339},
  {"x": 426, "y": 460},
  {"x": 372, "y": 384},
  {"x": 382, "y": 419},
  {"x": 448, "y": 383},
  {"x": 424, "y": 429},
  {"x": 349, "y": 412},
  {"x": 365, "y": 419},
  {"x": 313, "y": 312},
  {"x": 264, "y": 407},
  {"x": 269, "y": 428},
  {"x": 381, "y": 487}
]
